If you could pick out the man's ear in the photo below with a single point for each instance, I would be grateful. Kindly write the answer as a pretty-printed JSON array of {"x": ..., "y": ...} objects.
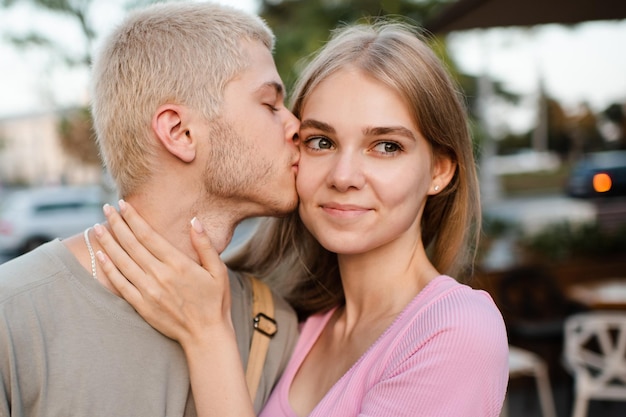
[
  {"x": 170, "y": 125},
  {"x": 443, "y": 171}
]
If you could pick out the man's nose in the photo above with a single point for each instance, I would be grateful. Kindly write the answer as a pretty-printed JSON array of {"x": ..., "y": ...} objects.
[{"x": 292, "y": 127}]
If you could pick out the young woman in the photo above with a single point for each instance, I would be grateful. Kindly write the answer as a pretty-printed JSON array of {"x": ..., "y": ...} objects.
[{"x": 389, "y": 210}]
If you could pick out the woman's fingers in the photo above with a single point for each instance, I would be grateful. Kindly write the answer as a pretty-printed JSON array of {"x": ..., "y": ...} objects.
[
  {"x": 142, "y": 235},
  {"x": 172, "y": 299},
  {"x": 129, "y": 242},
  {"x": 209, "y": 258},
  {"x": 175, "y": 294},
  {"x": 119, "y": 281},
  {"x": 119, "y": 259}
]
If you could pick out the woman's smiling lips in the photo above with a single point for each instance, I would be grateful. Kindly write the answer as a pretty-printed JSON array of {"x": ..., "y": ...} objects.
[{"x": 344, "y": 210}]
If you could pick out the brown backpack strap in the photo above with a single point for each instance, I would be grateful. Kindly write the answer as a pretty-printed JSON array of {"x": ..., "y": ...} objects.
[{"x": 264, "y": 326}]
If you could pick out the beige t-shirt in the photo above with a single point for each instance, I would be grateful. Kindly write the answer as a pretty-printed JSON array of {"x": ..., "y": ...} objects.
[{"x": 69, "y": 347}]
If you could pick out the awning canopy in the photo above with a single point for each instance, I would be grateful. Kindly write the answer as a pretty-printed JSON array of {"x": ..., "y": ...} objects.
[{"x": 472, "y": 14}]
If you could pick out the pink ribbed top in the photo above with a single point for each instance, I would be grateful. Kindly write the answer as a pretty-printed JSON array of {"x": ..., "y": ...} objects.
[{"x": 446, "y": 354}]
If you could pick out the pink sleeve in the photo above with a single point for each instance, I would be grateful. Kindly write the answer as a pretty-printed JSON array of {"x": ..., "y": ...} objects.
[{"x": 460, "y": 370}]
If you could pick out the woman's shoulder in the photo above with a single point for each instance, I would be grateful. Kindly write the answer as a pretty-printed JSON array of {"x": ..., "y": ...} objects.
[
  {"x": 448, "y": 309},
  {"x": 448, "y": 335},
  {"x": 446, "y": 293}
]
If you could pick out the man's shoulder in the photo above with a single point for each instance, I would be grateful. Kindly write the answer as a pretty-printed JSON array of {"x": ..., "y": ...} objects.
[
  {"x": 281, "y": 344},
  {"x": 30, "y": 270},
  {"x": 241, "y": 287},
  {"x": 238, "y": 282}
]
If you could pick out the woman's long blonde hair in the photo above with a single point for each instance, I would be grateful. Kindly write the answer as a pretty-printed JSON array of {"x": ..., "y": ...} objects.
[{"x": 284, "y": 252}]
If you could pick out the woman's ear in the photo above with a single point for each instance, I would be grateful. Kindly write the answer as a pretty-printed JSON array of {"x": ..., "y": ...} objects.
[
  {"x": 170, "y": 125},
  {"x": 443, "y": 171}
]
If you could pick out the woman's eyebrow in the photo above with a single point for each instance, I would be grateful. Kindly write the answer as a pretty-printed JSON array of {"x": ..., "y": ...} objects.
[
  {"x": 316, "y": 124},
  {"x": 367, "y": 131},
  {"x": 387, "y": 130}
]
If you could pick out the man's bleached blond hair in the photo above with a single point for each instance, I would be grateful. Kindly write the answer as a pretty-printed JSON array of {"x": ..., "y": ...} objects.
[{"x": 176, "y": 53}]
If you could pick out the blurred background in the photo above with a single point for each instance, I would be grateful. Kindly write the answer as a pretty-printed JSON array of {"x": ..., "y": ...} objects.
[{"x": 545, "y": 85}]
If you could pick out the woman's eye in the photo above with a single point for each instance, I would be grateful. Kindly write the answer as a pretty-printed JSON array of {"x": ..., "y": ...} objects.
[
  {"x": 387, "y": 147},
  {"x": 318, "y": 142}
]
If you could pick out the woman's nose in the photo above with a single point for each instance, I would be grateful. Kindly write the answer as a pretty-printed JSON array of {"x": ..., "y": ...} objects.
[{"x": 346, "y": 172}]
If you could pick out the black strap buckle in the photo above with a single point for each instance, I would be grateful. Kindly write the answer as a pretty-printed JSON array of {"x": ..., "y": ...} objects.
[{"x": 264, "y": 324}]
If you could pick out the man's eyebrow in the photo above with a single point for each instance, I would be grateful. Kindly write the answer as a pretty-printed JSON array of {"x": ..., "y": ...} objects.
[
  {"x": 274, "y": 85},
  {"x": 316, "y": 124},
  {"x": 387, "y": 130}
]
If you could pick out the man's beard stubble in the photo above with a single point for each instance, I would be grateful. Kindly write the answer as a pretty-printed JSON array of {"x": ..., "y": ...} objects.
[{"x": 237, "y": 172}]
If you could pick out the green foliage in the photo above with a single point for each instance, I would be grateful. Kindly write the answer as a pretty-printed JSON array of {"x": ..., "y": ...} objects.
[
  {"x": 563, "y": 241},
  {"x": 615, "y": 113},
  {"x": 302, "y": 27},
  {"x": 77, "y": 138},
  {"x": 535, "y": 183},
  {"x": 511, "y": 144},
  {"x": 79, "y": 11},
  {"x": 494, "y": 227},
  {"x": 75, "y": 129}
]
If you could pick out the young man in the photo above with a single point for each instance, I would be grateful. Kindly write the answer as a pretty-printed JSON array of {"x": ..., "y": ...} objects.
[{"x": 189, "y": 115}]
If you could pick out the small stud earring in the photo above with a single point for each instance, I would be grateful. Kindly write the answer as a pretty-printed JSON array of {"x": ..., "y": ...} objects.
[{"x": 436, "y": 188}]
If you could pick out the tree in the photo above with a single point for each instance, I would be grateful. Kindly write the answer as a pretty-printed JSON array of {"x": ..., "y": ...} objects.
[
  {"x": 559, "y": 129},
  {"x": 75, "y": 127},
  {"x": 77, "y": 139},
  {"x": 585, "y": 125},
  {"x": 302, "y": 27},
  {"x": 616, "y": 114},
  {"x": 77, "y": 10}
]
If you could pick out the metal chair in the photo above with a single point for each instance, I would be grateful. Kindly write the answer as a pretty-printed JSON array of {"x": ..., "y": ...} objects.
[
  {"x": 523, "y": 362},
  {"x": 595, "y": 353}
]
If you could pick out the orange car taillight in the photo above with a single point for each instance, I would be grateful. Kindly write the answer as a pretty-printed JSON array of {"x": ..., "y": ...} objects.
[{"x": 602, "y": 182}]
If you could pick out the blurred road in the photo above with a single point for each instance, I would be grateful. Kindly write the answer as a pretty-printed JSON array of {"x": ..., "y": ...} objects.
[
  {"x": 242, "y": 232},
  {"x": 530, "y": 212},
  {"x": 534, "y": 213},
  {"x": 611, "y": 212}
]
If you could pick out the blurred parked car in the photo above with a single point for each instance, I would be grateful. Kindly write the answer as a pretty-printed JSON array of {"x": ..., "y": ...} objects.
[
  {"x": 598, "y": 174},
  {"x": 31, "y": 217}
]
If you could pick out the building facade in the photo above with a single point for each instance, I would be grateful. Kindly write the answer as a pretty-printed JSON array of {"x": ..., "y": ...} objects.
[{"x": 31, "y": 153}]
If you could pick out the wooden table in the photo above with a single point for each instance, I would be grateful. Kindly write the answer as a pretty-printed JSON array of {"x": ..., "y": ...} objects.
[{"x": 606, "y": 294}]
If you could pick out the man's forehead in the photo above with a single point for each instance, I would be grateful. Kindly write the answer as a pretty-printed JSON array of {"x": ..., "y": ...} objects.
[{"x": 259, "y": 72}]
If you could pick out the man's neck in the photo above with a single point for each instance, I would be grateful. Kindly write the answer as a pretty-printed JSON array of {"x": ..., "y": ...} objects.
[{"x": 172, "y": 219}]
